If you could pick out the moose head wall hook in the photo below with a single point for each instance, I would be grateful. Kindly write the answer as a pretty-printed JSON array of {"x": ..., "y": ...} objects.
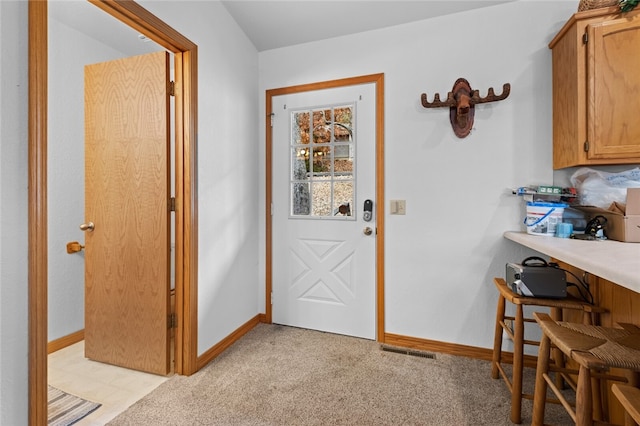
[{"x": 461, "y": 102}]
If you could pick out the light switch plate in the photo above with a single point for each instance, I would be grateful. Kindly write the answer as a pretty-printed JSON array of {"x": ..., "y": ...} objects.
[{"x": 398, "y": 207}]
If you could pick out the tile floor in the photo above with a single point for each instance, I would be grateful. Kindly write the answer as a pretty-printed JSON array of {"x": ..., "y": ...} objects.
[{"x": 115, "y": 388}]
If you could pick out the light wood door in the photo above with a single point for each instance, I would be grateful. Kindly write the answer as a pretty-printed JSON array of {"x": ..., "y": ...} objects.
[
  {"x": 324, "y": 261},
  {"x": 127, "y": 193}
]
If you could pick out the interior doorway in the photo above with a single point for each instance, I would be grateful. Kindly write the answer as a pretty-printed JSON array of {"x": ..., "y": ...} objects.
[{"x": 186, "y": 241}]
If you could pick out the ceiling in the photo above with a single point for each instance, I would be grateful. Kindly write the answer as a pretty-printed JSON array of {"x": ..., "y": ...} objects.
[
  {"x": 84, "y": 17},
  {"x": 272, "y": 24}
]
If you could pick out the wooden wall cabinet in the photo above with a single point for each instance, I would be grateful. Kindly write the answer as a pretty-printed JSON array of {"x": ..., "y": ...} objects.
[{"x": 596, "y": 89}]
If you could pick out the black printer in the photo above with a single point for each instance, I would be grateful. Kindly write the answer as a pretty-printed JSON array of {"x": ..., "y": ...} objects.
[{"x": 534, "y": 277}]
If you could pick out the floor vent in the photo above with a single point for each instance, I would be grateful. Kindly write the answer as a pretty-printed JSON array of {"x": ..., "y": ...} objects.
[{"x": 408, "y": 352}]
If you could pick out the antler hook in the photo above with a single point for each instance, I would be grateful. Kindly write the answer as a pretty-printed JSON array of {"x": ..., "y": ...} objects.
[
  {"x": 491, "y": 96},
  {"x": 437, "y": 103},
  {"x": 461, "y": 101}
]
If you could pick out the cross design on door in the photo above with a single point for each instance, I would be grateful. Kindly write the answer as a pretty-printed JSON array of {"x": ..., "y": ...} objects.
[{"x": 322, "y": 271}]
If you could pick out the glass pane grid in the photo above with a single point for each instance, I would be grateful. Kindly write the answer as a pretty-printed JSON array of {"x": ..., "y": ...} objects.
[{"x": 322, "y": 162}]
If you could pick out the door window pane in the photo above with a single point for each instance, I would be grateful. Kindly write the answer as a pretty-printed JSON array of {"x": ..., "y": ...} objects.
[
  {"x": 321, "y": 200},
  {"x": 322, "y": 126},
  {"x": 322, "y": 162}
]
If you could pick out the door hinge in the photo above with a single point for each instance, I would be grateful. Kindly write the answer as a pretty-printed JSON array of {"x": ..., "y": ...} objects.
[
  {"x": 271, "y": 116},
  {"x": 272, "y": 298},
  {"x": 585, "y": 38},
  {"x": 586, "y": 146},
  {"x": 173, "y": 321},
  {"x": 172, "y": 204},
  {"x": 172, "y": 88}
]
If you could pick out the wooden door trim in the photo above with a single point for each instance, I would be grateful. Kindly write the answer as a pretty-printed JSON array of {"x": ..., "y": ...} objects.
[
  {"x": 37, "y": 215},
  {"x": 378, "y": 79},
  {"x": 186, "y": 76}
]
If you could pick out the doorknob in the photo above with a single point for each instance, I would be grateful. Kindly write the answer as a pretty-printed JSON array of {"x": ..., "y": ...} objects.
[
  {"x": 87, "y": 226},
  {"x": 368, "y": 231}
]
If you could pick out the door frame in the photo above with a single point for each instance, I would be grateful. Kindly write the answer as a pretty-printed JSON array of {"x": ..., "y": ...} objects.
[
  {"x": 186, "y": 103},
  {"x": 378, "y": 80}
]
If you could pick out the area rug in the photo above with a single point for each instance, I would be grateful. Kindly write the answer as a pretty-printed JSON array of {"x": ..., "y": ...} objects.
[{"x": 65, "y": 409}]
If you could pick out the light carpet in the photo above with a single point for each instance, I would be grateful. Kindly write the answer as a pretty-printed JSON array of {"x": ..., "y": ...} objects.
[
  {"x": 65, "y": 409},
  {"x": 278, "y": 375}
]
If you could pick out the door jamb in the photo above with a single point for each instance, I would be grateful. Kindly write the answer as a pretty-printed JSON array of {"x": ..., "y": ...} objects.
[
  {"x": 378, "y": 79},
  {"x": 186, "y": 76}
]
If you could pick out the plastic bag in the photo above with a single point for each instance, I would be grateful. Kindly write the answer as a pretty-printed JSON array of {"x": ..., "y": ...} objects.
[{"x": 601, "y": 189}]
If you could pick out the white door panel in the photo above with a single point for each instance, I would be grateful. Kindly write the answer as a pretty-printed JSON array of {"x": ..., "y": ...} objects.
[{"x": 323, "y": 264}]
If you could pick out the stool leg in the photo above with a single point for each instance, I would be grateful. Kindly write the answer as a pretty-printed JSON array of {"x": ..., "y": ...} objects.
[
  {"x": 556, "y": 354},
  {"x": 584, "y": 401},
  {"x": 497, "y": 338},
  {"x": 598, "y": 404},
  {"x": 518, "y": 349},
  {"x": 587, "y": 318},
  {"x": 540, "y": 392},
  {"x": 633, "y": 378}
]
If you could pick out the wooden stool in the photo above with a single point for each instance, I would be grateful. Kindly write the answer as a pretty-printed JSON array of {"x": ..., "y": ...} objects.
[
  {"x": 595, "y": 350},
  {"x": 517, "y": 335},
  {"x": 629, "y": 397}
]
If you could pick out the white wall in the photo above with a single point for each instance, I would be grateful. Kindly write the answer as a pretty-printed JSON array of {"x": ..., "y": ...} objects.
[
  {"x": 228, "y": 177},
  {"x": 441, "y": 256},
  {"x": 13, "y": 215}
]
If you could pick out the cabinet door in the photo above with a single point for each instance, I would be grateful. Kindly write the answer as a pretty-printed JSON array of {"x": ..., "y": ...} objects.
[{"x": 613, "y": 88}]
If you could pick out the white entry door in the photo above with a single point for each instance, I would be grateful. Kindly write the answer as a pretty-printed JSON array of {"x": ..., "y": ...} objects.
[{"x": 324, "y": 225}]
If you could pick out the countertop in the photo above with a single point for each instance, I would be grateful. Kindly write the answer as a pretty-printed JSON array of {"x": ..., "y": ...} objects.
[{"x": 612, "y": 260}]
